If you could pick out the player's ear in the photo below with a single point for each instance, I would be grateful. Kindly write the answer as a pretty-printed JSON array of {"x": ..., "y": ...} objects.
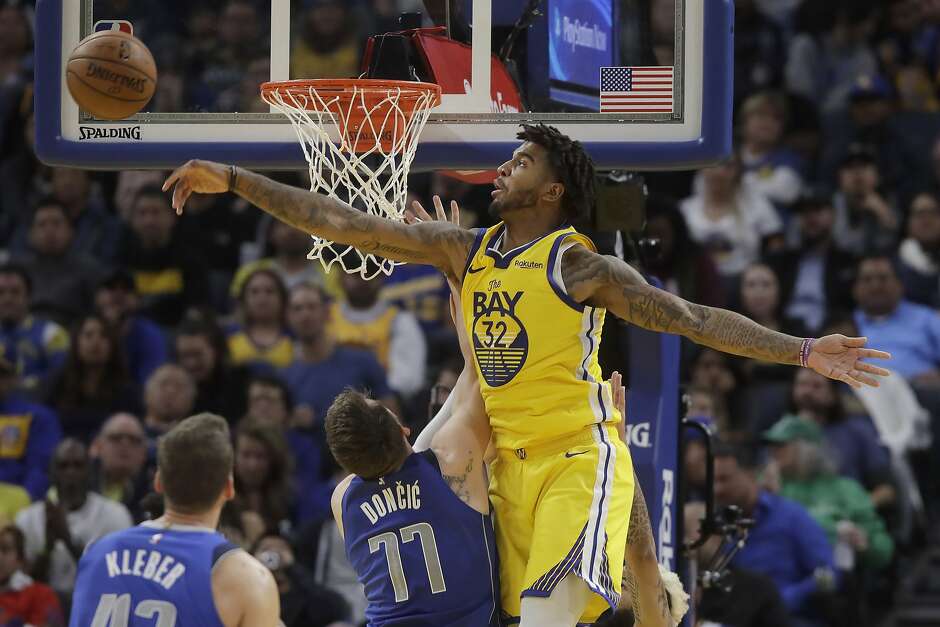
[
  {"x": 157, "y": 483},
  {"x": 553, "y": 192},
  {"x": 229, "y": 491}
]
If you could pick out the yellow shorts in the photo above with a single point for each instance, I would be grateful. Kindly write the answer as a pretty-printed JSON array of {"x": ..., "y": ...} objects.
[{"x": 562, "y": 508}]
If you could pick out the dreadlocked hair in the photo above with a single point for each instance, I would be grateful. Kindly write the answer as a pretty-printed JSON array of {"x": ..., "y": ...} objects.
[{"x": 572, "y": 166}]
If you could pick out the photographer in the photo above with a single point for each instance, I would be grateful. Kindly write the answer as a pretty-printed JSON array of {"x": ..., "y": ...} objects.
[{"x": 304, "y": 603}]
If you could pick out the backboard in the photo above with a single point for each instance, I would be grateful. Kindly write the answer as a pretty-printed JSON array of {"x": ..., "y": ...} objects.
[{"x": 645, "y": 84}]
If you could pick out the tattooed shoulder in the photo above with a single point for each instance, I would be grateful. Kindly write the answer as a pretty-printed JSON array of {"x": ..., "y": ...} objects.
[{"x": 458, "y": 482}]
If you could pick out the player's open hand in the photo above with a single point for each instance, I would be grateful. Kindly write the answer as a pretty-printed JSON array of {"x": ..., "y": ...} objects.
[
  {"x": 839, "y": 357},
  {"x": 416, "y": 213},
  {"x": 202, "y": 177}
]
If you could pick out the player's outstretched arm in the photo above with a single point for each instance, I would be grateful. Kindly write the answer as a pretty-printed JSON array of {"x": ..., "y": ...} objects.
[
  {"x": 245, "y": 592},
  {"x": 437, "y": 243},
  {"x": 610, "y": 283}
]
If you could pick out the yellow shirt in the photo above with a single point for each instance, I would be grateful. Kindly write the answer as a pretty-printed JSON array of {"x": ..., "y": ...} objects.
[
  {"x": 535, "y": 347},
  {"x": 373, "y": 335},
  {"x": 243, "y": 350}
]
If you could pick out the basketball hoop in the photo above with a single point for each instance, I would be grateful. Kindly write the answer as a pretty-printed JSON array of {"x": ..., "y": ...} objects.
[{"x": 366, "y": 165}]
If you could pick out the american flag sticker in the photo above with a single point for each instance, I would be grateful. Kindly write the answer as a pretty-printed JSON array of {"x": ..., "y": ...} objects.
[
  {"x": 120, "y": 25},
  {"x": 638, "y": 89}
]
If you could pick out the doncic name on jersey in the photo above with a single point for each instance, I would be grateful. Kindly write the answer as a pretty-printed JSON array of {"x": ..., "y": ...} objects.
[
  {"x": 500, "y": 340},
  {"x": 402, "y": 496}
]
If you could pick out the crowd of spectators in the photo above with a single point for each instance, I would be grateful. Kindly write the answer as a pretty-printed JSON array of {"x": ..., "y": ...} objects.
[{"x": 118, "y": 318}]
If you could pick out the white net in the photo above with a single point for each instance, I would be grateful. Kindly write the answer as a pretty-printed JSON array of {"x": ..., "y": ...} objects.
[{"x": 366, "y": 163}]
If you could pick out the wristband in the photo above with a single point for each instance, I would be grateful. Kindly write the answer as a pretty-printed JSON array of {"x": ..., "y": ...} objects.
[
  {"x": 805, "y": 350},
  {"x": 232, "y": 177}
]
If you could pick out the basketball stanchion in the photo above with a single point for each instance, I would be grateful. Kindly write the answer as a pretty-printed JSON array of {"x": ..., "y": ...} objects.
[{"x": 359, "y": 137}]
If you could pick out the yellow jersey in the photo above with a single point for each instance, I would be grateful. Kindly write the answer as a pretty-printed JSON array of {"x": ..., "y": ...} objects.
[
  {"x": 535, "y": 347},
  {"x": 373, "y": 335}
]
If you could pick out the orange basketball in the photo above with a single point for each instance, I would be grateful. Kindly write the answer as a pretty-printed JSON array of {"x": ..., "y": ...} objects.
[{"x": 111, "y": 75}]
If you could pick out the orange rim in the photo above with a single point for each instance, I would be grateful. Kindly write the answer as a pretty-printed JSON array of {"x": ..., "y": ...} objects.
[{"x": 346, "y": 88}]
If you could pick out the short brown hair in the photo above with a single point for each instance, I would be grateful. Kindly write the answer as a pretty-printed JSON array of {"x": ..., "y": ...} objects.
[
  {"x": 365, "y": 439},
  {"x": 195, "y": 461}
]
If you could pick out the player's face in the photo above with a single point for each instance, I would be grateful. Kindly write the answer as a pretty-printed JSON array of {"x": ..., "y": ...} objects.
[{"x": 520, "y": 180}]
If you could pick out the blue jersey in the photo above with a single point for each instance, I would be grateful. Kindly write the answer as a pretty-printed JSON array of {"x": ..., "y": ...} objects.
[
  {"x": 149, "y": 576},
  {"x": 425, "y": 557}
]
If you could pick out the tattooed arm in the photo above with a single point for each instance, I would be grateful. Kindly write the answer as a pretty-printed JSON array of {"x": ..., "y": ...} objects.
[
  {"x": 610, "y": 283},
  {"x": 437, "y": 243},
  {"x": 641, "y": 579}
]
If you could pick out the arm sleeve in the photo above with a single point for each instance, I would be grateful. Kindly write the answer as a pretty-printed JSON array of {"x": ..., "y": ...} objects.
[
  {"x": 44, "y": 436},
  {"x": 423, "y": 441},
  {"x": 407, "y": 355},
  {"x": 813, "y": 551}
]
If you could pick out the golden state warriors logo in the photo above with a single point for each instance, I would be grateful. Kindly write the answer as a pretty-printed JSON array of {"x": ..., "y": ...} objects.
[{"x": 500, "y": 342}]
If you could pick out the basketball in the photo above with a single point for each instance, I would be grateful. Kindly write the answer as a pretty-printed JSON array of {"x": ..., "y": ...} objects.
[{"x": 111, "y": 75}]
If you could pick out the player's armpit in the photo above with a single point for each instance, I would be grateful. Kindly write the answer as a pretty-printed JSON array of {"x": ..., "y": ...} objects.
[
  {"x": 245, "y": 592},
  {"x": 610, "y": 283}
]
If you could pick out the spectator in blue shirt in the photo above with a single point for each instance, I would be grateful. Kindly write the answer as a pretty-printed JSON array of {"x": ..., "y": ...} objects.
[
  {"x": 321, "y": 369},
  {"x": 145, "y": 345},
  {"x": 35, "y": 346},
  {"x": 785, "y": 543},
  {"x": 30, "y": 433},
  {"x": 910, "y": 332}
]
